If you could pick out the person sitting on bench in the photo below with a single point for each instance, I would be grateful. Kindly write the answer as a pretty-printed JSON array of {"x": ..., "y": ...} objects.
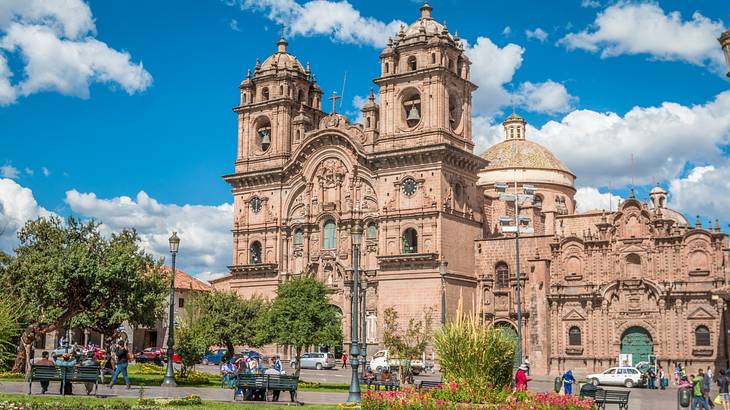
[{"x": 44, "y": 361}]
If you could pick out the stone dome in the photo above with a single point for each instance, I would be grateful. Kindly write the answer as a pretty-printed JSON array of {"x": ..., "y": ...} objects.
[
  {"x": 282, "y": 60},
  {"x": 424, "y": 26},
  {"x": 521, "y": 153}
]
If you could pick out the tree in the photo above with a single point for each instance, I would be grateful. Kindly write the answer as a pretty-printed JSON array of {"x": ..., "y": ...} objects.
[
  {"x": 69, "y": 274},
  {"x": 302, "y": 316},
  {"x": 191, "y": 335},
  {"x": 232, "y": 320},
  {"x": 409, "y": 344},
  {"x": 9, "y": 333}
]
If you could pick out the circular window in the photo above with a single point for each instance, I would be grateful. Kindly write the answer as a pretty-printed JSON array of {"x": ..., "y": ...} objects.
[
  {"x": 409, "y": 186},
  {"x": 412, "y": 108},
  {"x": 256, "y": 204}
]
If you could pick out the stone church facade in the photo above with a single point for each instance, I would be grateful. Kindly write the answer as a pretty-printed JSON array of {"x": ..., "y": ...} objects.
[{"x": 408, "y": 174}]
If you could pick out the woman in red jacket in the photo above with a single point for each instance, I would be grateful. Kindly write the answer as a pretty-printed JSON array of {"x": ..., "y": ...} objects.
[{"x": 521, "y": 378}]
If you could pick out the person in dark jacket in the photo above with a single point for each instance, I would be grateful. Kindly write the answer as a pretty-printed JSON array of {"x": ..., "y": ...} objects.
[
  {"x": 44, "y": 361},
  {"x": 723, "y": 381},
  {"x": 122, "y": 363}
]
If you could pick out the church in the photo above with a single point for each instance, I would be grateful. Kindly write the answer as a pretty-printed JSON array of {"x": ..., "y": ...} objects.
[{"x": 639, "y": 279}]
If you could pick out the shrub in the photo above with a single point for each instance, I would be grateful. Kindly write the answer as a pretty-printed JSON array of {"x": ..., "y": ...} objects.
[
  {"x": 9, "y": 333},
  {"x": 146, "y": 368},
  {"x": 193, "y": 377},
  {"x": 473, "y": 353}
]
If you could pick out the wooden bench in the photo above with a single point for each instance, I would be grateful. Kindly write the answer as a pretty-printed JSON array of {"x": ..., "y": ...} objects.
[
  {"x": 430, "y": 384},
  {"x": 266, "y": 383},
  {"x": 64, "y": 375},
  {"x": 604, "y": 397}
]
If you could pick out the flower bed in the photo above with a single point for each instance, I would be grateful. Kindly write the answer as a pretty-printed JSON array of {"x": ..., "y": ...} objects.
[{"x": 454, "y": 397}]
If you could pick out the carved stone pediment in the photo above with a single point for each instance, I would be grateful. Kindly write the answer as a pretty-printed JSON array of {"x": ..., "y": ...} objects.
[
  {"x": 701, "y": 313},
  {"x": 574, "y": 315}
]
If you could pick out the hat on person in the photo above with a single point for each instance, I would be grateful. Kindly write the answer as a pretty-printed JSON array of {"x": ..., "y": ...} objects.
[{"x": 523, "y": 367}]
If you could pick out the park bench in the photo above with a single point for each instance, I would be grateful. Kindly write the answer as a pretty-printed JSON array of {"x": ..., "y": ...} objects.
[
  {"x": 430, "y": 384},
  {"x": 394, "y": 384},
  {"x": 604, "y": 397},
  {"x": 64, "y": 375},
  {"x": 265, "y": 383}
]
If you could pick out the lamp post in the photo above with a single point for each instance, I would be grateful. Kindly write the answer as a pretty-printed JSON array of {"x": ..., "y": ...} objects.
[
  {"x": 354, "y": 394},
  {"x": 363, "y": 325},
  {"x": 169, "y": 380},
  {"x": 442, "y": 272},
  {"x": 725, "y": 43},
  {"x": 521, "y": 226}
]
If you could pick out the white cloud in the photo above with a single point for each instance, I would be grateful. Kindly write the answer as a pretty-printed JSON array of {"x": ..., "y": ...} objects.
[
  {"x": 29, "y": 171},
  {"x": 204, "y": 231},
  {"x": 537, "y": 34},
  {"x": 17, "y": 205},
  {"x": 56, "y": 42},
  {"x": 592, "y": 4},
  {"x": 9, "y": 171},
  {"x": 590, "y": 198},
  {"x": 492, "y": 67},
  {"x": 234, "y": 25},
  {"x": 703, "y": 191},
  {"x": 46, "y": 171},
  {"x": 507, "y": 31},
  {"x": 644, "y": 28},
  {"x": 598, "y": 147},
  {"x": 340, "y": 20},
  {"x": 548, "y": 97}
]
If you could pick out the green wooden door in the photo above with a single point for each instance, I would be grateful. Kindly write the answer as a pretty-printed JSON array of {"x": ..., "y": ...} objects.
[
  {"x": 511, "y": 332},
  {"x": 637, "y": 341}
]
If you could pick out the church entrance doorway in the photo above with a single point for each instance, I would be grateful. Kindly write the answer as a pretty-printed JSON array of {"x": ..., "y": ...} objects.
[
  {"x": 509, "y": 330},
  {"x": 637, "y": 342}
]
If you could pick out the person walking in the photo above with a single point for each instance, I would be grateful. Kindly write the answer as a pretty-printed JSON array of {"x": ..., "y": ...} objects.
[
  {"x": 122, "y": 363},
  {"x": 663, "y": 382},
  {"x": 344, "y": 360},
  {"x": 44, "y": 361},
  {"x": 698, "y": 396},
  {"x": 706, "y": 384},
  {"x": 521, "y": 378},
  {"x": 652, "y": 378},
  {"x": 568, "y": 381},
  {"x": 722, "y": 382}
]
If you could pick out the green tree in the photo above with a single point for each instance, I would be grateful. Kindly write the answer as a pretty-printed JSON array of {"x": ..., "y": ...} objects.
[
  {"x": 232, "y": 319},
  {"x": 69, "y": 274},
  {"x": 406, "y": 344},
  {"x": 9, "y": 332},
  {"x": 191, "y": 335},
  {"x": 302, "y": 316}
]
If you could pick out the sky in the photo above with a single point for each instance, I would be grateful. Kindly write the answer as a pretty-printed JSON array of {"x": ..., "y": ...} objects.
[{"x": 121, "y": 111}]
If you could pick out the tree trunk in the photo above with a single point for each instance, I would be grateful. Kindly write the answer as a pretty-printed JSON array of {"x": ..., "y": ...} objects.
[
  {"x": 229, "y": 347},
  {"x": 22, "y": 360},
  {"x": 298, "y": 361}
]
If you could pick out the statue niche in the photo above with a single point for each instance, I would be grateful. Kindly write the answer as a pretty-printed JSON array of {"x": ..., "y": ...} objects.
[{"x": 330, "y": 177}]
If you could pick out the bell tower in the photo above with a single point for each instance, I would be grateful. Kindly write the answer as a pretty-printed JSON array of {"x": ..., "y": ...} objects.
[
  {"x": 278, "y": 92},
  {"x": 425, "y": 90}
]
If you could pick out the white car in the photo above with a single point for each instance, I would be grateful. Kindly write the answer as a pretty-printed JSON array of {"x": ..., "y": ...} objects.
[
  {"x": 382, "y": 360},
  {"x": 617, "y": 376}
]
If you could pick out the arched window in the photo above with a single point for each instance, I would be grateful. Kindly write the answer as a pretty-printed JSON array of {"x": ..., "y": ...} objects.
[
  {"x": 263, "y": 133},
  {"x": 244, "y": 98},
  {"x": 367, "y": 122},
  {"x": 537, "y": 201},
  {"x": 300, "y": 95},
  {"x": 633, "y": 265},
  {"x": 255, "y": 253},
  {"x": 281, "y": 90},
  {"x": 372, "y": 231},
  {"x": 410, "y": 241},
  {"x": 298, "y": 237},
  {"x": 412, "y": 64},
  {"x": 387, "y": 67},
  {"x": 265, "y": 94},
  {"x": 574, "y": 336},
  {"x": 412, "y": 108},
  {"x": 433, "y": 58},
  {"x": 501, "y": 273},
  {"x": 702, "y": 336},
  {"x": 330, "y": 235}
]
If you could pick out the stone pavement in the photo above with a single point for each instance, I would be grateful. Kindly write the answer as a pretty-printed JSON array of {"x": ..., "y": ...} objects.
[{"x": 640, "y": 399}]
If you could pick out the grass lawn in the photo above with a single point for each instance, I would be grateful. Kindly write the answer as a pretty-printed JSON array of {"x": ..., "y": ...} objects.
[{"x": 88, "y": 401}]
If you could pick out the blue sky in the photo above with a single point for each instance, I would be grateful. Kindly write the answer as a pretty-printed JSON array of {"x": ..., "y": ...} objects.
[{"x": 137, "y": 96}]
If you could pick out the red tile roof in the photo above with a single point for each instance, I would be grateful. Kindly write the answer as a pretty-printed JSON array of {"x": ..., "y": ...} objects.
[{"x": 186, "y": 281}]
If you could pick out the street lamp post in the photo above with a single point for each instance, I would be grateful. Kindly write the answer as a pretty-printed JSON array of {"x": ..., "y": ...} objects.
[
  {"x": 363, "y": 325},
  {"x": 521, "y": 226},
  {"x": 442, "y": 272},
  {"x": 169, "y": 380},
  {"x": 354, "y": 394},
  {"x": 725, "y": 43}
]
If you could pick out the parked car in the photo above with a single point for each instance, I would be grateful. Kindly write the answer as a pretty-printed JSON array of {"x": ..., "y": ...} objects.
[
  {"x": 315, "y": 360},
  {"x": 382, "y": 359},
  {"x": 617, "y": 376},
  {"x": 150, "y": 354}
]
